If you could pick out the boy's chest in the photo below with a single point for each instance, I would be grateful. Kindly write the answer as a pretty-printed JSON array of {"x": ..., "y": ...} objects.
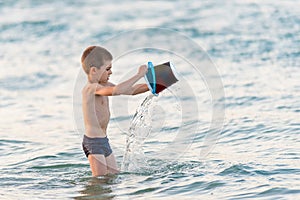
[{"x": 101, "y": 103}]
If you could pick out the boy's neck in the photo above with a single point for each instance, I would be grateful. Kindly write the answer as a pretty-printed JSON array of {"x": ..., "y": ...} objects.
[{"x": 92, "y": 79}]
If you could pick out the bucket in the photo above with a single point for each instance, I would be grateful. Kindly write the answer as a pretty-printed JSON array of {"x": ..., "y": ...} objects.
[{"x": 160, "y": 77}]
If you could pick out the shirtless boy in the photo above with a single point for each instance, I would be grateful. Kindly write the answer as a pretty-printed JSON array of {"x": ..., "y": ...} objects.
[{"x": 97, "y": 64}]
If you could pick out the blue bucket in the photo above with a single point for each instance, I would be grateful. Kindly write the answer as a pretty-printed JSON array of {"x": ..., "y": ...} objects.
[{"x": 160, "y": 77}]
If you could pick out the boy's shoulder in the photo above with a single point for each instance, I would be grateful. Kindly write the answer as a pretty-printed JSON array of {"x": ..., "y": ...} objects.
[{"x": 90, "y": 88}]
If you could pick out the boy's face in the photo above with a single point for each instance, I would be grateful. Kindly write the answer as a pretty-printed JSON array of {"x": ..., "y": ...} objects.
[{"x": 104, "y": 72}]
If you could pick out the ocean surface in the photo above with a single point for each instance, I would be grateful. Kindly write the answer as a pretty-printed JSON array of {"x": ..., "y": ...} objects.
[{"x": 252, "y": 153}]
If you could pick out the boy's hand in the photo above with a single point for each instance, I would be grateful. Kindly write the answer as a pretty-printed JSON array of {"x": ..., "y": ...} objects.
[{"x": 143, "y": 69}]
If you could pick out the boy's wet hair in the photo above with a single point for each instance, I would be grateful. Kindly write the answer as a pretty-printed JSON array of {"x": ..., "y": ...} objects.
[{"x": 94, "y": 56}]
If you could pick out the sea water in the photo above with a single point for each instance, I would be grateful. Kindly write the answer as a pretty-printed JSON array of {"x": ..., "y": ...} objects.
[{"x": 255, "y": 46}]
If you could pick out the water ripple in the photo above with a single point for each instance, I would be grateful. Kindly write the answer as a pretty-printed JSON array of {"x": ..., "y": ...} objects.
[{"x": 28, "y": 82}]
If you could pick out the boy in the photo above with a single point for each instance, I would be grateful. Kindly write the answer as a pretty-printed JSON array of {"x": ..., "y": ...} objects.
[{"x": 96, "y": 62}]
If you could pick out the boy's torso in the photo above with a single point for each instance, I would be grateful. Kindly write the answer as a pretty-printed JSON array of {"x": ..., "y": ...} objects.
[{"x": 95, "y": 111}]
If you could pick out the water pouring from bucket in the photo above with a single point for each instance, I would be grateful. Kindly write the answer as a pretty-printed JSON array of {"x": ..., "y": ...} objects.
[{"x": 160, "y": 77}]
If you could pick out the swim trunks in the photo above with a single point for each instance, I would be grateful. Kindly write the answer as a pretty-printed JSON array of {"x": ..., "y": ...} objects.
[{"x": 96, "y": 146}]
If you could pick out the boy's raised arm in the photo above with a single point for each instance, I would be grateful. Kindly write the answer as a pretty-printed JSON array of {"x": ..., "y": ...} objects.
[{"x": 127, "y": 87}]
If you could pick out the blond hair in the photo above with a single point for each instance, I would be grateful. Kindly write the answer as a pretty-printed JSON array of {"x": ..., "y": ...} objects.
[{"x": 94, "y": 56}]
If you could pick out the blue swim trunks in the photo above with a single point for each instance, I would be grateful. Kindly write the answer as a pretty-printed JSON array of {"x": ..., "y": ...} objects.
[{"x": 96, "y": 146}]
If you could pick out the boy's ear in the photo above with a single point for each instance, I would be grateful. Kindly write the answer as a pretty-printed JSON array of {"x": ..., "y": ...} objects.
[{"x": 93, "y": 69}]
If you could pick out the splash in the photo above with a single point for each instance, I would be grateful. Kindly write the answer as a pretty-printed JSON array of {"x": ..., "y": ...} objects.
[{"x": 134, "y": 159}]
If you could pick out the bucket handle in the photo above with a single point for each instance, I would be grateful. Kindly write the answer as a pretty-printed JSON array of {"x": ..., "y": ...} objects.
[{"x": 151, "y": 67}]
